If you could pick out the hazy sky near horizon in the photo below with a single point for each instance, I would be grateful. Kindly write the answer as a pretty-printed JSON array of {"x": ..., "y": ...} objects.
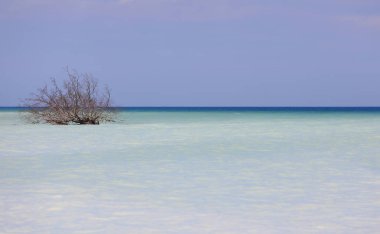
[{"x": 197, "y": 52}]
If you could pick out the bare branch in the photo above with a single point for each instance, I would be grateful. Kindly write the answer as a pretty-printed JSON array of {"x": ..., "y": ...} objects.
[{"x": 77, "y": 101}]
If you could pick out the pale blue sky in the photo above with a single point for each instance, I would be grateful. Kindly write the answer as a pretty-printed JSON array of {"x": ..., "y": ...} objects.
[{"x": 197, "y": 52}]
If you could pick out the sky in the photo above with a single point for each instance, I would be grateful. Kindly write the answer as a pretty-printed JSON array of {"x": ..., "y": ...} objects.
[{"x": 197, "y": 52}]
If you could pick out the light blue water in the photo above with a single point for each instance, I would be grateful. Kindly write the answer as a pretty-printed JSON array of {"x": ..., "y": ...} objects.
[{"x": 181, "y": 171}]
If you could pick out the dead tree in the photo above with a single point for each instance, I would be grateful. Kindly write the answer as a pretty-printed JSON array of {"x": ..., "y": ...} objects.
[{"x": 76, "y": 101}]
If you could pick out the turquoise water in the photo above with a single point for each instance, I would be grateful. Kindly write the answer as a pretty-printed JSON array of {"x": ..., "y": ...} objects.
[{"x": 193, "y": 171}]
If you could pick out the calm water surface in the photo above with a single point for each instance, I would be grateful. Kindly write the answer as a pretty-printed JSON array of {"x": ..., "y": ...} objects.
[{"x": 193, "y": 171}]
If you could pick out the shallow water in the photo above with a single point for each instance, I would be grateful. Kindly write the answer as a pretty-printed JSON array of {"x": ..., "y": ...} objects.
[{"x": 193, "y": 172}]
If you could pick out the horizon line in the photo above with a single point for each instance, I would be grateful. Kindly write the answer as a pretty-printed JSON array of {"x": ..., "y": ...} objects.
[{"x": 225, "y": 107}]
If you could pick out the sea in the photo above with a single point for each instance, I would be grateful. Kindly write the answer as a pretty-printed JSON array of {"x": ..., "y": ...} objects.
[{"x": 194, "y": 170}]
